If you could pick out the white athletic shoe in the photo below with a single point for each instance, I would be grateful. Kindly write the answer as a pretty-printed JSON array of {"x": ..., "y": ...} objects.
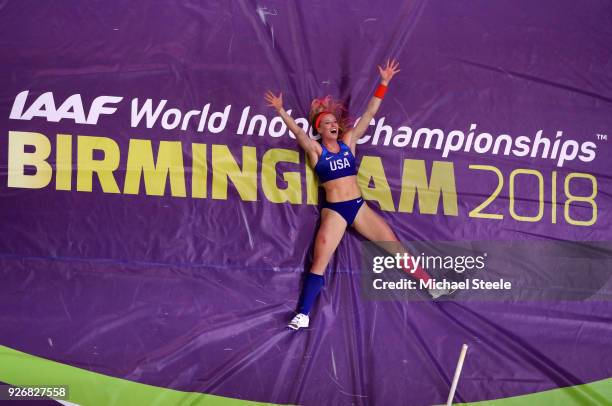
[
  {"x": 436, "y": 293},
  {"x": 299, "y": 321}
]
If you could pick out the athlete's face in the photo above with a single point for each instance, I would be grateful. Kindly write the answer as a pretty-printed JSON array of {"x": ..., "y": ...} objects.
[{"x": 328, "y": 127}]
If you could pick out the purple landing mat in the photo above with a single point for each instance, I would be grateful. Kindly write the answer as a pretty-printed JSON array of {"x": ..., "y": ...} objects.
[{"x": 191, "y": 329}]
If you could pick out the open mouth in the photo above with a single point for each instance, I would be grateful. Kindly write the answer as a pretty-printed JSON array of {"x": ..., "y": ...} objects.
[{"x": 334, "y": 131}]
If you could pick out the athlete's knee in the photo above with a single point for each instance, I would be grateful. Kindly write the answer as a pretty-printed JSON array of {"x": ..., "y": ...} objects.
[{"x": 323, "y": 240}]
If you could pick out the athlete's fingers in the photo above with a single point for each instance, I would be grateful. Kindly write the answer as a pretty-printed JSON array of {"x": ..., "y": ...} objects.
[{"x": 272, "y": 99}]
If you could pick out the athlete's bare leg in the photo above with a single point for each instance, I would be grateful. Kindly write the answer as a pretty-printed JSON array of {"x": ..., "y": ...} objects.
[
  {"x": 330, "y": 233},
  {"x": 373, "y": 227},
  {"x": 328, "y": 237}
]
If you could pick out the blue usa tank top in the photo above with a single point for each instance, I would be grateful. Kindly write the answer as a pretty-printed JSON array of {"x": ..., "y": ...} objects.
[{"x": 334, "y": 166}]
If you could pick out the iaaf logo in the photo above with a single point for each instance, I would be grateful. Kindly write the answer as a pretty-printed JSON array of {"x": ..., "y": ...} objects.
[{"x": 71, "y": 109}]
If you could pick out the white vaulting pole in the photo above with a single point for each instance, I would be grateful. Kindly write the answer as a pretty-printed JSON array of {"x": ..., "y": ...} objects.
[{"x": 451, "y": 395}]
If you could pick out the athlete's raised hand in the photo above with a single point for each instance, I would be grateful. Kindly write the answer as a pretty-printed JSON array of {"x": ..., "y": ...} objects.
[
  {"x": 386, "y": 73},
  {"x": 274, "y": 101}
]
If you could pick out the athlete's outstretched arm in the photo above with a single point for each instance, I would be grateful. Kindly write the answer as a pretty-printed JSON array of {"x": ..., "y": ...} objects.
[
  {"x": 304, "y": 141},
  {"x": 386, "y": 74}
]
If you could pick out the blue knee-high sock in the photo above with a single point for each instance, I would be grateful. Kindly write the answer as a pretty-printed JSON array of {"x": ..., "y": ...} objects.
[{"x": 312, "y": 286}]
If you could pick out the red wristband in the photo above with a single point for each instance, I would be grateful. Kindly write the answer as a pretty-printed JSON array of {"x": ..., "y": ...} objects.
[{"x": 380, "y": 91}]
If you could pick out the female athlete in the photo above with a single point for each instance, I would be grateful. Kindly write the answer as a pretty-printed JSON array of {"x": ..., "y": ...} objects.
[{"x": 333, "y": 160}]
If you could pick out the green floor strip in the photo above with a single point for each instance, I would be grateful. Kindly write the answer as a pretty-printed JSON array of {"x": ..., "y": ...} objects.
[
  {"x": 90, "y": 388},
  {"x": 594, "y": 393}
]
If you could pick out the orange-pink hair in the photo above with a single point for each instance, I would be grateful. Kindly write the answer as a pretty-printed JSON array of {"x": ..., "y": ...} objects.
[{"x": 325, "y": 105}]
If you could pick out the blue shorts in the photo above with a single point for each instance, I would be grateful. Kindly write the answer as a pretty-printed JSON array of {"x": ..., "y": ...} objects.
[{"x": 348, "y": 210}]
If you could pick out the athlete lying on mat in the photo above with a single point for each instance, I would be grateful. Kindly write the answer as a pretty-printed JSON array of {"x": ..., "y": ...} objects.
[{"x": 333, "y": 160}]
